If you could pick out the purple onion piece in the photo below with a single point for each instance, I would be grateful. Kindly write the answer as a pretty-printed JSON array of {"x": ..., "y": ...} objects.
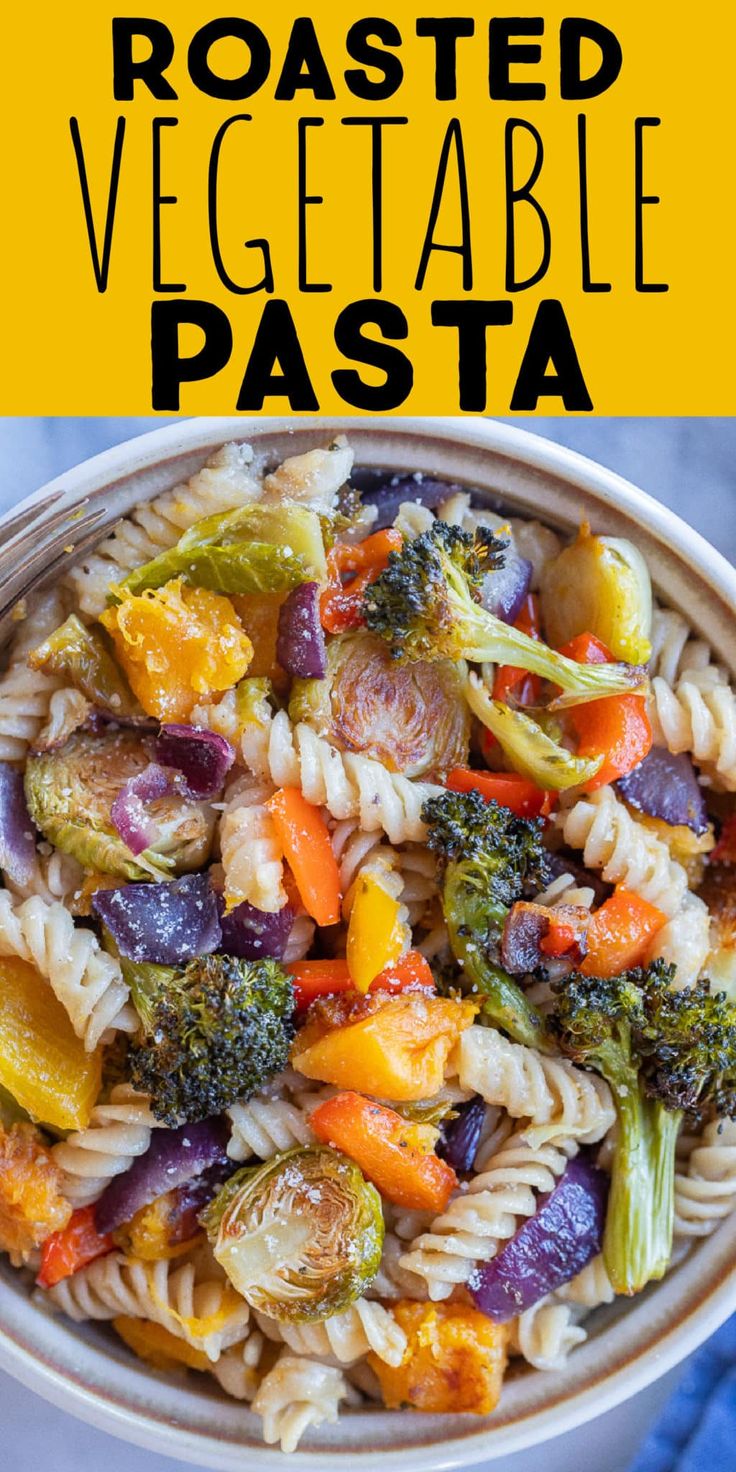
[
  {"x": 504, "y": 591},
  {"x": 252, "y": 934},
  {"x": 128, "y": 811},
  {"x": 460, "y": 1137},
  {"x": 167, "y": 924},
  {"x": 202, "y": 757},
  {"x": 194, "y": 1195},
  {"x": 665, "y": 786},
  {"x": 525, "y": 927},
  {"x": 549, "y": 1249},
  {"x": 173, "y": 1157},
  {"x": 17, "y": 834},
  {"x": 389, "y": 496},
  {"x": 300, "y": 646}
]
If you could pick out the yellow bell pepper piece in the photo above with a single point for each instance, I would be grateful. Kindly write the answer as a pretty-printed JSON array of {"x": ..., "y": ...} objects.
[
  {"x": 42, "y": 1063},
  {"x": 377, "y": 933}
]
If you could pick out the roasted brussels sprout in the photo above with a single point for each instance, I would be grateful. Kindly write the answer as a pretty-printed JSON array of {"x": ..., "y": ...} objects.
[
  {"x": 411, "y": 717},
  {"x": 256, "y": 549},
  {"x": 82, "y": 657},
  {"x": 70, "y": 792},
  {"x": 301, "y": 1236},
  {"x": 601, "y": 586}
]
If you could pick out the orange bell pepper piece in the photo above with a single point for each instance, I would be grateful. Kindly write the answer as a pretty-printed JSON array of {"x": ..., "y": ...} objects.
[
  {"x": 305, "y": 841},
  {"x": 618, "y": 725},
  {"x": 509, "y": 789},
  {"x": 65, "y": 1252},
  {"x": 340, "y": 603},
  {"x": 314, "y": 979},
  {"x": 383, "y": 1145},
  {"x": 620, "y": 934}
]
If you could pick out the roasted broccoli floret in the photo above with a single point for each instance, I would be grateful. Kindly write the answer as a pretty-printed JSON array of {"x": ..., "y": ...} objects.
[
  {"x": 487, "y": 856},
  {"x": 665, "y": 1054},
  {"x": 212, "y": 1033},
  {"x": 426, "y": 606}
]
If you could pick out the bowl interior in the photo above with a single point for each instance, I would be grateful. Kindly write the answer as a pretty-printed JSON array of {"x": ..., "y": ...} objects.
[{"x": 86, "y": 1368}]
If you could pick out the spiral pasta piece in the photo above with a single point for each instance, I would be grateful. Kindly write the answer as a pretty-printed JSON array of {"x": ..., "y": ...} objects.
[
  {"x": 558, "y": 1099},
  {"x": 118, "y": 1132},
  {"x": 684, "y": 941},
  {"x": 25, "y": 696},
  {"x": 589, "y": 1288},
  {"x": 313, "y": 478},
  {"x": 205, "y": 1311},
  {"x": 477, "y": 1222},
  {"x": 698, "y": 715},
  {"x": 55, "y": 876},
  {"x": 624, "y": 850},
  {"x": 224, "y": 483},
  {"x": 675, "y": 649},
  {"x": 706, "y": 1192},
  {"x": 296, "y": 1394},
  {"x": 545, "y": 1334},
  {"x": 237, "y": 1369},
  {"x": 86, "y": 980},
  {"x": 346, "y": 1336},
  {"x": 300, "y": 939},
  {"x": 251, "y": 853},
  {"x": 264, "y": 1126},
  {"x": 348, "y": 785}
]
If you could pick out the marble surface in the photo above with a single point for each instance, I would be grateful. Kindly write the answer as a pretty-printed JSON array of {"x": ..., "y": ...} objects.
[{"x": 688, "y": 464}]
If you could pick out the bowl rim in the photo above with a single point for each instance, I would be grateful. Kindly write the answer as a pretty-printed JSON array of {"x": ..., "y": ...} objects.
[{"x": 688, "y": 1330}]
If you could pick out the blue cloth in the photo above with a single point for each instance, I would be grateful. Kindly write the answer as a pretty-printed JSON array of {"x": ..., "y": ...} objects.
[{"x": 697, "y": 1430}]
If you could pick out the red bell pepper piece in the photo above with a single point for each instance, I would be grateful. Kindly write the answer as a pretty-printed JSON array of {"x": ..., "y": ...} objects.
[{"x": 78, "y": 1244}]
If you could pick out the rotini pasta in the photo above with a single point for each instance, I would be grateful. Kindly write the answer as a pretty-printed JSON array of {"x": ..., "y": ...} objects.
[
  {"x": 698, "y": 715},
  {"x": 87, "y": 981},
  {"x": 545, "y": 1335},
  {"x": 346, "y": 1336},
  {"x": 706, "y": 1192},
  {"x": 557, "y": 1099},
  {"x": 118, "y": 1132},
  {"x": 224, "y": 483},
  {"x": 56, "y": 876},
  {"x": 348, "y": 785},
  {"x": 251, "y": 854},
  {"x": 296, "y": 1394},
  {"x": 205, "y": 1311},
  {"x": 475, "y": 1224},
  {"x": 264, "y": 1126},
  {"x": 675, "y": 649},
  {"x": 625, "y": 852}
]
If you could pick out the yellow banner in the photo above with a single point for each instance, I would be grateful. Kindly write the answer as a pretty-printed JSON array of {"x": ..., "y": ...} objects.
[{"x": 431, "y": 209}]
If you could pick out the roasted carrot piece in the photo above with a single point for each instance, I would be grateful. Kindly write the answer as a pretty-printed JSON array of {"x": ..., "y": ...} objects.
[
  {"x": 387, "y": 1149},
  {"x": 306, "y": 844}
]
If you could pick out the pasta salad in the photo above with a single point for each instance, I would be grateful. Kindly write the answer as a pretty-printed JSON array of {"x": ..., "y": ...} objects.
[{"x": 367, "y": 938}]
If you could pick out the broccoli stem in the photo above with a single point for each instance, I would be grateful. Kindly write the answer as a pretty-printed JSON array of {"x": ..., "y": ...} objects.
[
  {"x": 471, "y": 927},
  {"x": 487, "y": 638},
  {"x": 637, "y": 1244}
]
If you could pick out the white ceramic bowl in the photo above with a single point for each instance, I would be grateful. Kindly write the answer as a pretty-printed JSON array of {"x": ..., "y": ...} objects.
[{"x": 85, "y": 1369}]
